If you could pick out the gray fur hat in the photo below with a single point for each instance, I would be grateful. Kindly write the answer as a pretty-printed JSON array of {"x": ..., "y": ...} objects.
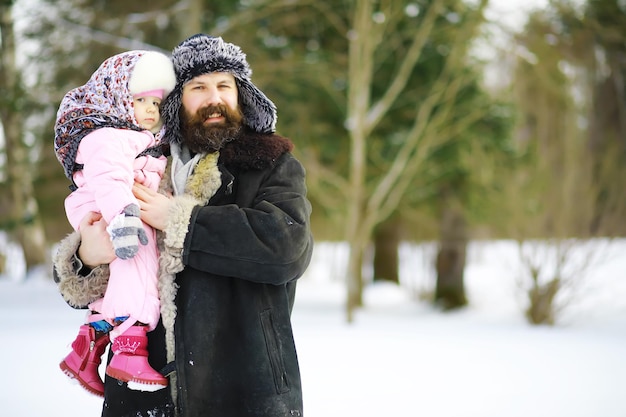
[{"x": 203, "y": 54}]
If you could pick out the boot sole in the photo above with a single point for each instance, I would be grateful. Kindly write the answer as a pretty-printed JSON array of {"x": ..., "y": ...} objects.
[
  {"x": 142, "y": 386},
  {"x": 74, "y": 376},
  {"x": 136, "y": 384}
]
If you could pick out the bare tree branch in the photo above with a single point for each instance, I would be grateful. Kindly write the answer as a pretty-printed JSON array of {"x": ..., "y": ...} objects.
[
  {"x": 107, "y": 38},
  {"x": 380, "y": 108}
]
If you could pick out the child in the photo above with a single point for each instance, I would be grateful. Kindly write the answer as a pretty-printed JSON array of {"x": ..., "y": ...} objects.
[{"x": 107, "y": 137}]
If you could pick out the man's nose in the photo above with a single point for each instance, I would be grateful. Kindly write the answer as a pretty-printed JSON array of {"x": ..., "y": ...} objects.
[{"x": 212, "y": 97}]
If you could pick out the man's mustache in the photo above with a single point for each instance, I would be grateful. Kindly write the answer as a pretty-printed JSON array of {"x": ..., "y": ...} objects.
[{"x": 208, "y": 111}]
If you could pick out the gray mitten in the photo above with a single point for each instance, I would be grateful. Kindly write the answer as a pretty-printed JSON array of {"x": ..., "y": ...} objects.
[{"x": 127, "y": 232}]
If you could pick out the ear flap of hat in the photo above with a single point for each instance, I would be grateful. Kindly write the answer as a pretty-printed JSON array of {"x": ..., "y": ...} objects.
[
  {"x": 170, "y": 108},
  {"x": 259, "y": 111}
]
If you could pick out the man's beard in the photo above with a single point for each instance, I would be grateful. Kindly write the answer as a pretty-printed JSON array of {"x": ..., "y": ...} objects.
[{"x": 201, "y": 138}]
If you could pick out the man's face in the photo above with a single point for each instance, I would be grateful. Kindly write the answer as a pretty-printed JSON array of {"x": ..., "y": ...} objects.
[
  {"x": 210, "y": 90},
  {"x": 210, "y": 114}
]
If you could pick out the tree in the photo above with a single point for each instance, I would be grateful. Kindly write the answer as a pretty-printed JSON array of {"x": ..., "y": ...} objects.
[
  {"x": 432, "y": 126},
  {"x": 387, "y": 237},
  {"x": 566, "y": 194},
  {"x": 396, "y": 107},
  {"x": 22, "y": 220}
]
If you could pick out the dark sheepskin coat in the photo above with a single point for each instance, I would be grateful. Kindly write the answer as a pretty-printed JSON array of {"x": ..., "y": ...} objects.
[{"x": 238, "y": 240}]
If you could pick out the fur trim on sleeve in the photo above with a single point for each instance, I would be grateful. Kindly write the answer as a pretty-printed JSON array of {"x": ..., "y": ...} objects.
[
  {"x": 167, "y": 295},
  {"x": 77, "y": 291},
  {"x": 199, "y": 188},
  {"x": 170, "y": 262},
  {"x": 176, "y": 231}
]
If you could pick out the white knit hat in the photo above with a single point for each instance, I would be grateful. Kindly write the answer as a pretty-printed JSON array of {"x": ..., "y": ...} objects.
[{"x": 153, "y": 75}]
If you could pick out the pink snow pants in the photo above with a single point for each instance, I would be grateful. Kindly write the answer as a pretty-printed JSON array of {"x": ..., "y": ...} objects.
[{"x": 132, "y": 289}]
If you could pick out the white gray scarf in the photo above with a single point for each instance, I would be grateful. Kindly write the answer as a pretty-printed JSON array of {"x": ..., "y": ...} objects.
[{"x": 183, "y": 165}]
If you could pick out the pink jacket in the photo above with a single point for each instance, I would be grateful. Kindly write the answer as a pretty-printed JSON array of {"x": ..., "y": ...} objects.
[
  {"x": 110, "y": 168},
  {"x": 105, "y": 186}
]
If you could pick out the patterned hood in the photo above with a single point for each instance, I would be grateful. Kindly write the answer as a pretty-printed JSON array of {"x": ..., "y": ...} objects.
[{"x": 106, "y": 101}]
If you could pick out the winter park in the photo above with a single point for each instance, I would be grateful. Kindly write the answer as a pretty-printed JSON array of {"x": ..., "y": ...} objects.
[{"x": 454, "y": 170}]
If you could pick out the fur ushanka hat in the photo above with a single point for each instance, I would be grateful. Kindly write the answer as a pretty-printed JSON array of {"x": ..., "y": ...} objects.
[
  {"x": 106, "y": 100},
  {"x": 203, "y": 54}
]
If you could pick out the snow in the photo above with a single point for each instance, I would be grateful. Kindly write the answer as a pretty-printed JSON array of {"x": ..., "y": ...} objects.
[{"x": 400, "y": 356}]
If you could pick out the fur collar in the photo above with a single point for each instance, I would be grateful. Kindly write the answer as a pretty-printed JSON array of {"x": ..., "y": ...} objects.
[
  {"x": 254, "y": 151},
  {"x": 251, "y": 151}
]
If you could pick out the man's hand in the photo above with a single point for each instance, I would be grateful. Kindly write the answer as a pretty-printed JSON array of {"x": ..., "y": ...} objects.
[
  {"x": 154, "y": 206},
  {"x": 95, "y": 247}
]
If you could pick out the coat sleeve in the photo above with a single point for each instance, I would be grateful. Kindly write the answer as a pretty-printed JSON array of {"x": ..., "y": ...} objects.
[
  {"x": 108, "y": 156},
  {"x": 269, "y": 242},
  {"x": 77, "y": 285}
]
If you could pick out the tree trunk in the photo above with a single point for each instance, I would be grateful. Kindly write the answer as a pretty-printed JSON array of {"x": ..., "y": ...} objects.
[
  {"x": 360, "y": 74},
  {"x": 541, "y": 308},
  {"x": 386, "y": 243},
  {"x": 23, "y": 221},
  {"x": 194, "y": 22},
  {"x": 450, "y": 264},
  {"x": 354, "y": 280}
]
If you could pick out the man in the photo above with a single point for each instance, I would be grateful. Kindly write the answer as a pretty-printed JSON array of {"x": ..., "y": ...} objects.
[{"x": 235, "y": 238}]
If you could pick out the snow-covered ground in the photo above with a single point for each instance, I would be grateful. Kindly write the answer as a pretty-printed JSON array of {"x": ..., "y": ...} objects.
[{"x": 400, "y": 357}]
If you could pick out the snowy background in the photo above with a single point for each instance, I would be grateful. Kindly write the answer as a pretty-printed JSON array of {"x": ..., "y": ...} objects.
[{"x": 401, "y": 357}]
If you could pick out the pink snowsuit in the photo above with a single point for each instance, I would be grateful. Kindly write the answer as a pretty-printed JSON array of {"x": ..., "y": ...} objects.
[{"x": 105, "y": 186}]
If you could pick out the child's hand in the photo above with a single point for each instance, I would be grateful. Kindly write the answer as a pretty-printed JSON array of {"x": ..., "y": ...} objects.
[{"x": 127, "y": 232}]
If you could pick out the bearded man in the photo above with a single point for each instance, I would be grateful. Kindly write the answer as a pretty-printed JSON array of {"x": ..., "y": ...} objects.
[{"x": 234, "y": 238}]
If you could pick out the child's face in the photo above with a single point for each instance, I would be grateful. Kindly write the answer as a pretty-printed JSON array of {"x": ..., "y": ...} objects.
[{"x": 147, "y": 112}]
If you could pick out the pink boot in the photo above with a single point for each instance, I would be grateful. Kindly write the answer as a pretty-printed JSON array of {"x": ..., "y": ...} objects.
[
  {"x": 83, "y": 361},
  {"x": 130, "y": 361}
]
